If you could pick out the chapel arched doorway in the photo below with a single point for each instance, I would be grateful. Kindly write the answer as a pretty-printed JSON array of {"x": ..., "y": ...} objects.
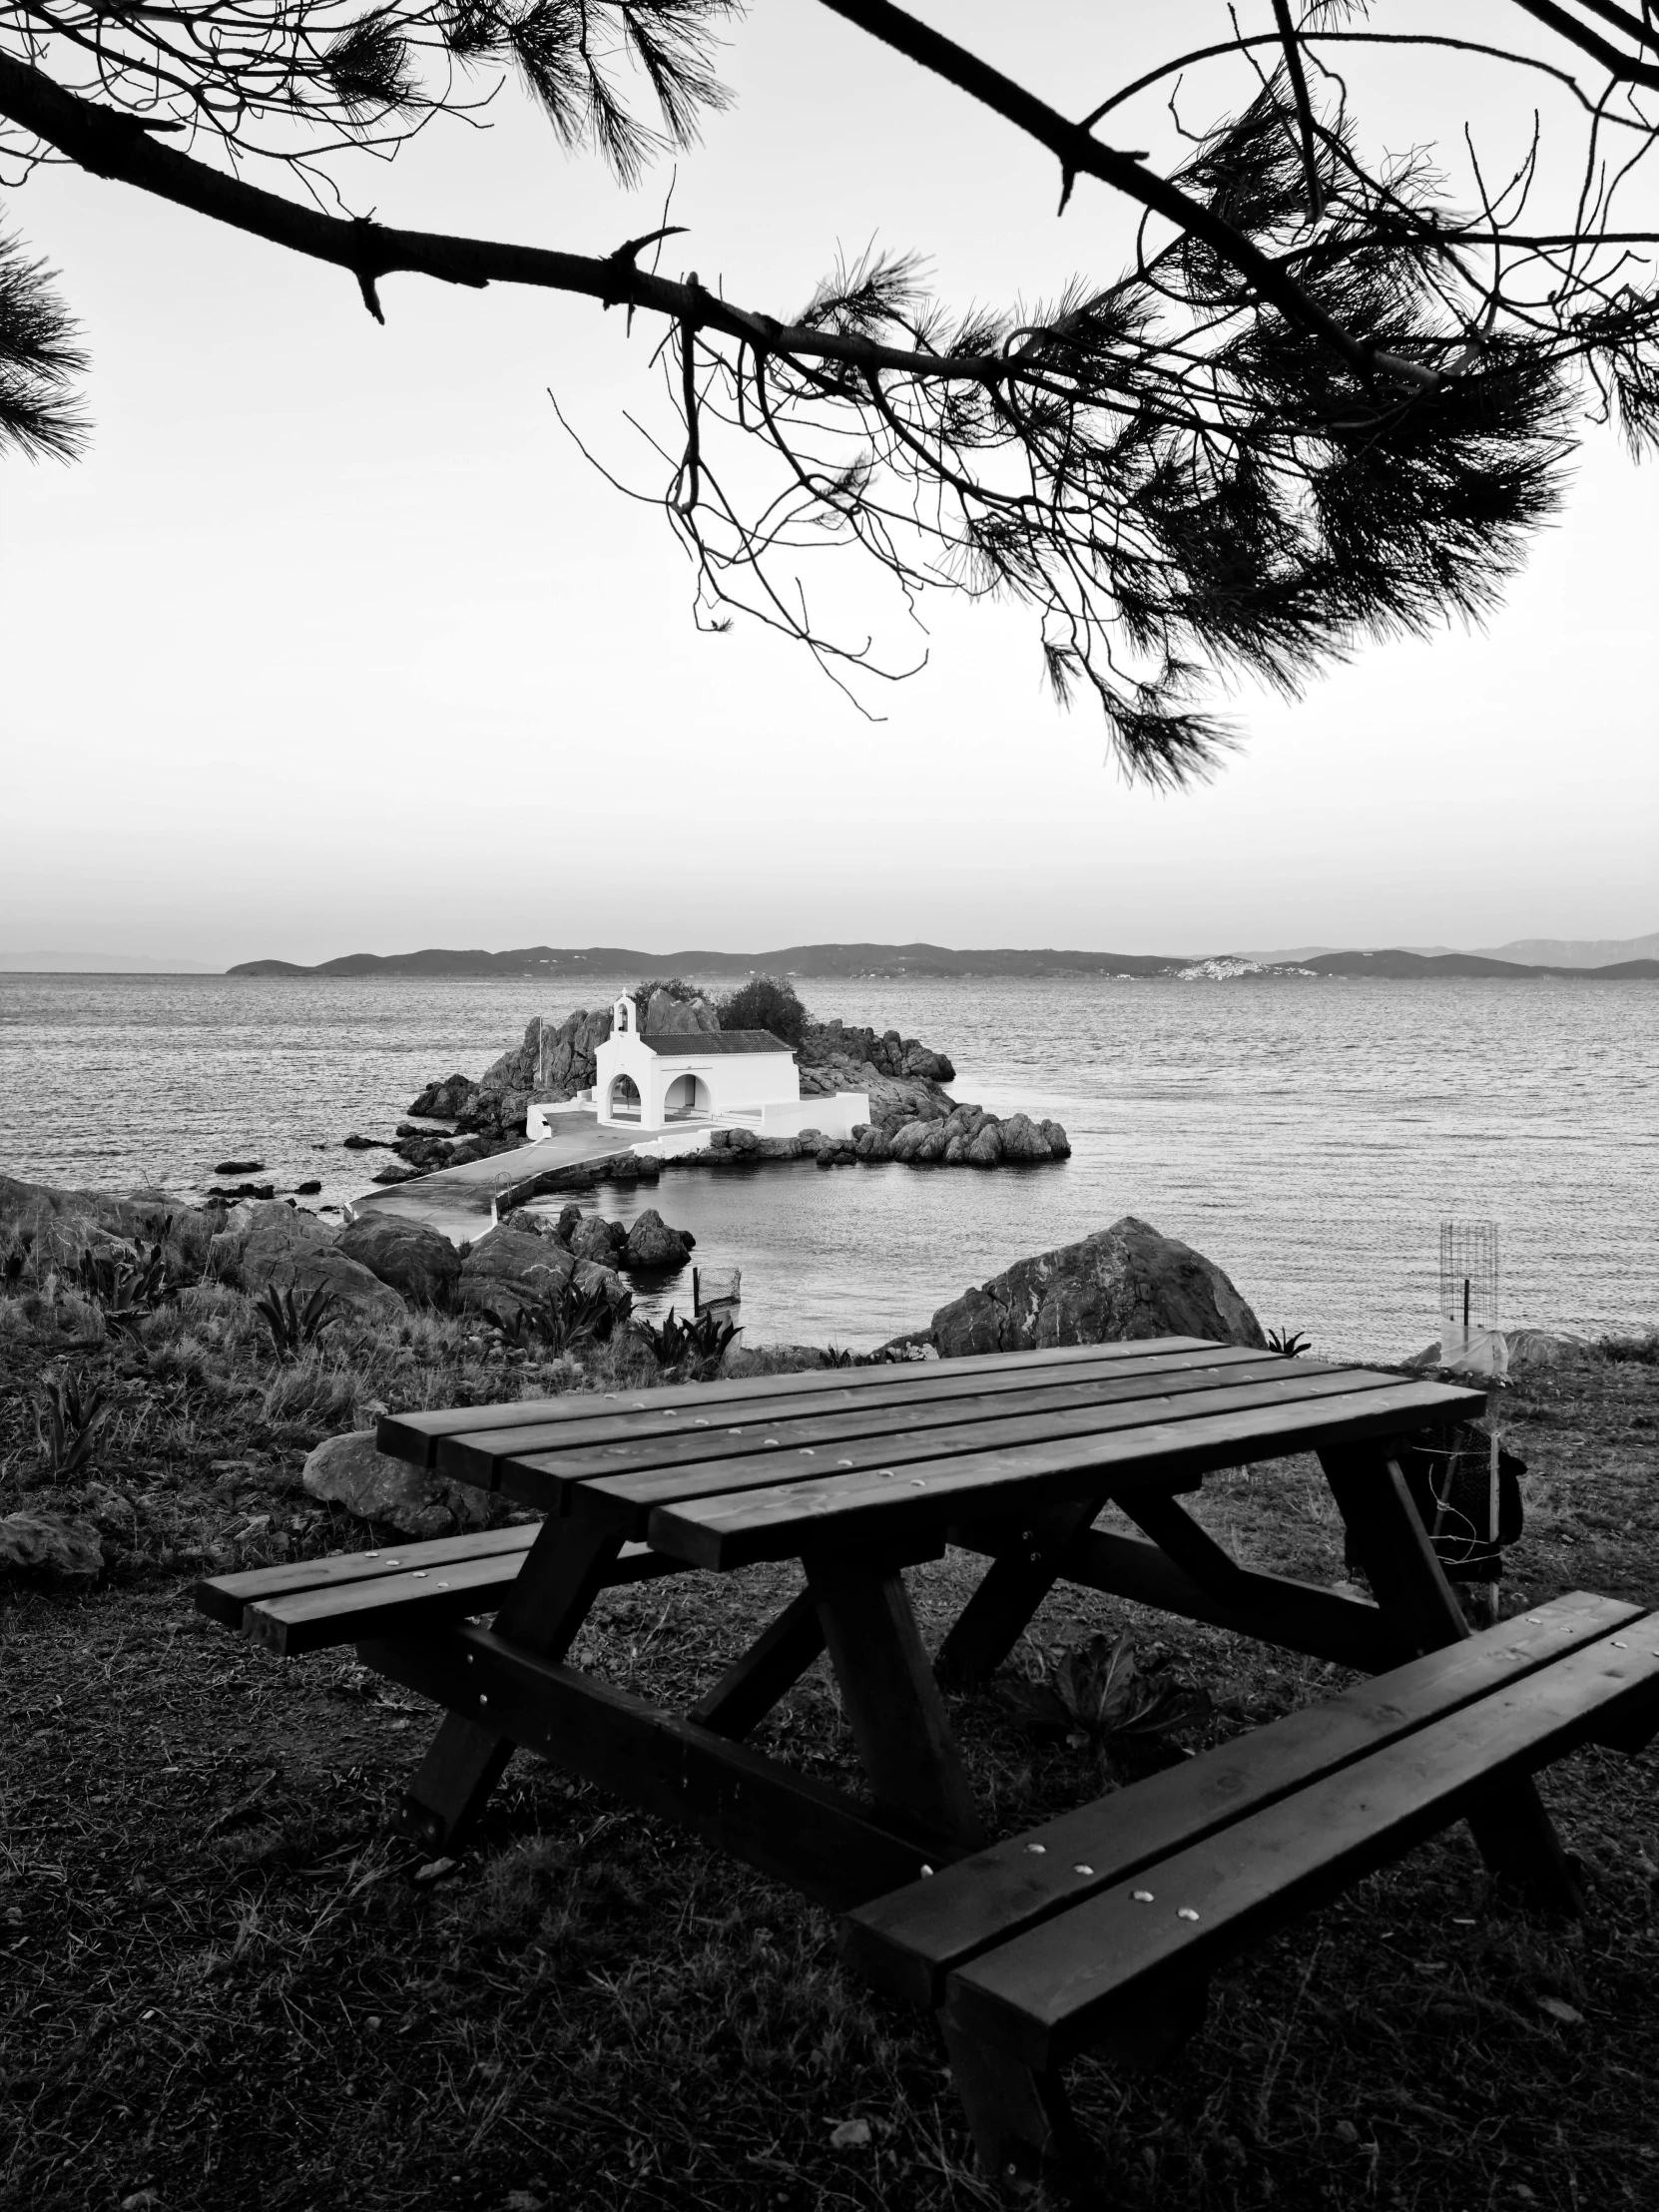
[{"x": 686, "y": 1095}]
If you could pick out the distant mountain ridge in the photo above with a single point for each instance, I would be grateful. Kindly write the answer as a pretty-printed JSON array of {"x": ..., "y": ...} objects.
[
  {"x": 1391, "y": 964},
  {"x": 1576, "y": 952}
]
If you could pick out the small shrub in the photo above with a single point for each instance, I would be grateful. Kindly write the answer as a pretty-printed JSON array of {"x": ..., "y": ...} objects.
[
  {"x": 763, "y": 1002},
  {"x": 66, "y": 1422},
  {"x": 183, "y": 1358},
  {"x": 314, "y": 1392},
  {"x": 79, "y": 1317},
  {"x": 1291, "y": 1342},
  {"x": 1644, "y": 1351},
  {"x": 212, "y": 1303}
]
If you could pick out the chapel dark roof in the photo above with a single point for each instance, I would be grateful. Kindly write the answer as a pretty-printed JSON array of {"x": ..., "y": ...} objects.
[{"x": 677, "y": 1044}]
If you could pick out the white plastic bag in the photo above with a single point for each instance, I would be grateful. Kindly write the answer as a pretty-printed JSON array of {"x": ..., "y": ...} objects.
[{"x": 1480, "y": 1354}]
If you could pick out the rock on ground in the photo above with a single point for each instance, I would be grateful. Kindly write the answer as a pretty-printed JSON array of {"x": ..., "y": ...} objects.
[
  {"x": 592, "y": 1237},
  {"x": 278, "y": 1247},
  {"x": 1126, "y": 1282},
  {"x": 350, "y": 1471},
  {"x": 738, "y": 1364},
  {"x": 512, "y": 1267},
  {"x": 650, "y": 1243},
  {"x": 417, "y": 1261},
  {"x": 50, "y": 1546},
  {"x": 446, "y": 1101}
]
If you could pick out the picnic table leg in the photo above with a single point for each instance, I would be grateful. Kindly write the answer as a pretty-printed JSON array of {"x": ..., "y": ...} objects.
[
  {"x": 1016, "y": 1584},
  {"x": 1021, "y": 2122},
  {"x": 1515, "y": 1834},
  {"x": 892, "y": 1699},
  {"x": 564, "y": 1571}
]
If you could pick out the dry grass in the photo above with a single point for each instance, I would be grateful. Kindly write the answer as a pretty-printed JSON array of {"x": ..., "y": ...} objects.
[{"x": 227, "y": 1983}]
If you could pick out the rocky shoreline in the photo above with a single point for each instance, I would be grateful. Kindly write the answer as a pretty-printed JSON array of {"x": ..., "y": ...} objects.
[
  {"x": 913, "y": 1117},
  {"x": 194, "y": 1387}
]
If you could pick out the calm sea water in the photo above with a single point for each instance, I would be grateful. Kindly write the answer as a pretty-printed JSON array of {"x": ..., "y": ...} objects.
[{"x": 1309, "y": 1137}]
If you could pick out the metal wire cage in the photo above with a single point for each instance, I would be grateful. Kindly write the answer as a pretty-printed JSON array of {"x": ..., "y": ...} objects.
[{"x": 1468, "y": 1274}]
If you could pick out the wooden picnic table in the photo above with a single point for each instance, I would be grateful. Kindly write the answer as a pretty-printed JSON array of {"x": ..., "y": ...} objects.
[
  {"x": 1097, "y": 1929},
  {"x": 859, "y": 1473}
]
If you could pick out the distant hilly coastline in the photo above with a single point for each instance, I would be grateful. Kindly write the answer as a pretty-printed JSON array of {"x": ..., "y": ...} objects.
[{"x": 852, "y": 960}]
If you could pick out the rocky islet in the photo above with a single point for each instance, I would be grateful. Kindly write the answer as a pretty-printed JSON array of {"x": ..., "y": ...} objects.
[{"x": 913, "y": 1118}]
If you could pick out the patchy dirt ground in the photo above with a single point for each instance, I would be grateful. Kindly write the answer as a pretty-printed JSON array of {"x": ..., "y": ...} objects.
[{"x": 226, "y": 1983}]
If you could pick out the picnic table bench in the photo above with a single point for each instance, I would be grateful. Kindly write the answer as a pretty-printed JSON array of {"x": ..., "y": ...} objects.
[{"x": 1108, "y": 1923}]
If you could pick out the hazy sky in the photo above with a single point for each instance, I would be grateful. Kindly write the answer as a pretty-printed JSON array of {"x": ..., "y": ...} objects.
[{"x": 334, "y": 642}]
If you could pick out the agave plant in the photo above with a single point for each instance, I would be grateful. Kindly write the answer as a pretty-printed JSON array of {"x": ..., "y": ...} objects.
[
  {"x": 292, "y": 1327},
  {"x": 1100, "y": 1693},
  {"x": 127, "y": 1283},
  {"x": 563, "y": 1319},
  {"x": 1291, "y": 1342},
  {"x": 699, "y": 1343},
  {"x": 66, "y": 1422}
]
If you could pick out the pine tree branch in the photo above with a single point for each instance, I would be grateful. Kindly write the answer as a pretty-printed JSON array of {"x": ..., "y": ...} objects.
[
  {"x": 1080, "y": 153},
  {"x": 1618, "y": 66},
  {"x": 108, "y": 143}
]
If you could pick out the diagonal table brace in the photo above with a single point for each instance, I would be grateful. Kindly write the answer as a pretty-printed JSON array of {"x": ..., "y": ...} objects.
[
  {"x": 774, "y": 1663},
  {"x": 1027, "y": 1564}
]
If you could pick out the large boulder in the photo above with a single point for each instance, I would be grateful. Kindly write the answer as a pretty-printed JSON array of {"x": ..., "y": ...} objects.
[
  {"x": 985, "y": 1149},
  {"x": 1126, "y": 1282},
  {"x": 1022, "y": 1139},
  {"x": 418, "y": 1263},
  {"x": 667, "y": 1016},
  {"x": 283, "y": 1247},
  {"x": 424, "y": 1151},
  {"x": 652, "y": 1245},
  {"x": 511, "y": 1268},
  {"x": 908, "y": 1138},
  {"x": 350, "y": 1471},
  {"x": 50, "y": 1548},
  {"x": 933, "y": 1067},
  {"x": 564, "y": 1061},
  {"x": 590, "y": 1276},
  {"x": 446, "y": 1101},
  {"x": 594, "y": 1237},
  {"x": 553, "y": 1060}
]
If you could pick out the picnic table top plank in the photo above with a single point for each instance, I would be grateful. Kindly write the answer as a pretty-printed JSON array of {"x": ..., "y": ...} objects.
[
  {"x": 475, "y": 1457},
  {"x": 664, "y": 1454},
  {"x": 908, "y": 1941},
  {"x": 739, "y": 1526},
  {"x": 416, "y": 1436},
  {"x": 1054, "y": 1988},
  {"x": 900, "y": 1450}
]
